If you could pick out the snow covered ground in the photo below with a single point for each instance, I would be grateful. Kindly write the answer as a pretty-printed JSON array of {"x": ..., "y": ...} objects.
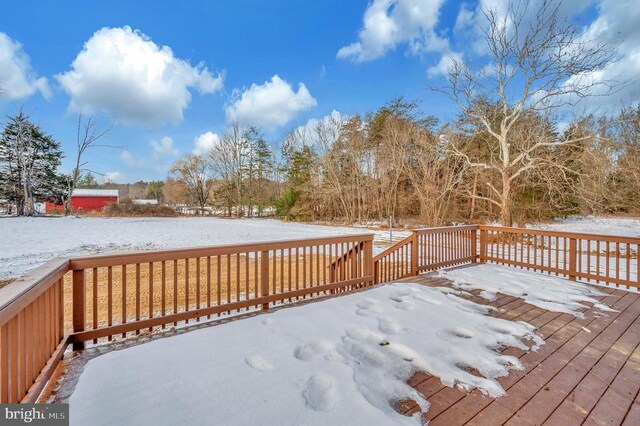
[
  {"x": 624, "y": 226},
  {"x": 340, "y": 361},
  {"x": 30, "y": 242}
]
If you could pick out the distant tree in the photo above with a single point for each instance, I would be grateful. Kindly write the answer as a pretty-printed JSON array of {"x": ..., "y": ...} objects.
[
  {"x": 88, "y": 180},
  {"x": 540, "y": 64},
  {"x": 263, "y": 165},
  {"x": 193, "y": 170},
  {"x": 175, "y": 191},
  {"x": 155, "y": 190},
  {"x": 228, "y": 160},
  {"x": 29, "y": 161},
  {"x": 296, "y": 202},
  {"x": 86, "y": 137}
]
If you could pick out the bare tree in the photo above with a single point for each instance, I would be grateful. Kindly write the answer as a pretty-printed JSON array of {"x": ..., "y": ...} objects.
[
  {"x": 541, "y": 63},
  {"x": 193, "y": 170},
  {"x": 228, "y": 161},
  {"x": 87, "y": 134}
]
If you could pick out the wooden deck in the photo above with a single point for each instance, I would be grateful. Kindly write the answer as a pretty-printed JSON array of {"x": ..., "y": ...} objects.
[{"x": 587, "y": 372}]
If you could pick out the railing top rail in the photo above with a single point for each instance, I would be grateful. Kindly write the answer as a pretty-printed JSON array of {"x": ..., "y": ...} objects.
[
  {"x": 393, "y": 248},
  {"x": 577, "y": 235},
  {"x": 115, "y": 259},
  {"x": 444, "y": 229},
  {"x": 24, "y": 290}
]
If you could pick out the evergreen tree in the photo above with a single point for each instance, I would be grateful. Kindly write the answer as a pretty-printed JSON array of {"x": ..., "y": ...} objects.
[
  {"x": 296, "y": 202},
  {"x": 87, "y": 180},
  {"x": 263, "y": 164},
  {"x": 29, "y": 161}
]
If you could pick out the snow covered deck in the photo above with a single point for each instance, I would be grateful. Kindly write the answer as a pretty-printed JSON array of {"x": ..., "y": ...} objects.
[
  {"x": 347, "y": 359},
  {"x": 588, "y": 370}
]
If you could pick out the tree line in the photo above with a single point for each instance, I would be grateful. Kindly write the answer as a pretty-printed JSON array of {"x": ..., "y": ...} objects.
[{"x": 515, "y": 151}]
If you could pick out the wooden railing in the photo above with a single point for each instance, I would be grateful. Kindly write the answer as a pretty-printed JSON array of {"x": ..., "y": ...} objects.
[
  {"x": 396, "y": 262},
  {"x": 426, "y": 250},
  {"x": 447, "y": 246},
  {"x": 603, "y": 259},
  {"x": 32, "y": 338},
  {"x": 131, "y": 293},
  {"x": 109, "y": 297}
]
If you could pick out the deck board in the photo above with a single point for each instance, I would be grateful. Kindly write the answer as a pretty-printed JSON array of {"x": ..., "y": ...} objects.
[{"x": 588, "y": 370}]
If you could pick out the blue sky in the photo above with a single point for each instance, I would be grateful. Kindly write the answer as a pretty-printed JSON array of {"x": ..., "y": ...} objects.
[{"x": 219, "y": 62}]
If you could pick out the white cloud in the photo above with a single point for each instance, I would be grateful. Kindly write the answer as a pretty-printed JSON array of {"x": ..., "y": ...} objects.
[
  {"x": 442, "y": 67},
  {"x": 123, "y": 72},
  {"x": 270, "y": 105},
  {"x": 203, "y": 143},
  {"x": 164, "y": 148},
  {"x": 388, "y": 23},
  {"x": 616, "y": 22},
  {"x": 17, "y": 78},
  {"x": 113, "y": 177},
  {"x": 130, "y": 161}
]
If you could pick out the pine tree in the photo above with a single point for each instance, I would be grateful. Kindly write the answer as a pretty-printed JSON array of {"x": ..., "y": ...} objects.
[
  {"x": 29, "y": 161},
  {"x": 263, "y": 164}
]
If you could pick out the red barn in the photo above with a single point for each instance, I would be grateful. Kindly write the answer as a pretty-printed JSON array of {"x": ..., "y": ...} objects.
[{"x": 87, "y": 200}]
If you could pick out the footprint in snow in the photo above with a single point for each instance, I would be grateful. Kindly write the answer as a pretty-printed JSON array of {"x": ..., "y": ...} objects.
[
  {"x": 258, "y": 362},
  {"x": 320, "y": 392},
  {"x": 314, "y": 349},
  {"x": 389, "y": 326}
]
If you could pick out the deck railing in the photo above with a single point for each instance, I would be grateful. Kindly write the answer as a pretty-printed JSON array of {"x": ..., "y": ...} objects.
[
  {"x": 32, "y": 338},
  {"x": 108, "y": 297},
  {"x": 130, "y": 293},
  {"x": 601, "y": 259}
]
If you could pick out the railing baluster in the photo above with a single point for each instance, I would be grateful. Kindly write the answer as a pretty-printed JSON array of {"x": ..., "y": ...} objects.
[
  {"x": 109, "y": 298},
  {"x": 150, "y": 267}
]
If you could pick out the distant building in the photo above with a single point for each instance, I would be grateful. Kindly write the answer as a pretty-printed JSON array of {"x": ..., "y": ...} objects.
[
  {"x": 87, "y": 200},
  {"x": 150, "y": 201}
]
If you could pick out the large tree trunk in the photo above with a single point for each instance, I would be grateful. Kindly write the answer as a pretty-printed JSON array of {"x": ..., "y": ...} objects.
[{"x": 506, "y": 218}]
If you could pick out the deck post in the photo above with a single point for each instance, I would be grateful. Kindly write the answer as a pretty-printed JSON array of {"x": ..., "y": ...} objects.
[
  {"x": 264, "y": 277},
  {"x": 414, "y": 253},
  {"x": 79, "y": 303},
  {"x": 474, "y": 245},
  {"x": 368, "y": 262},
  {"x": 573, "y": 255},
  {"x": 483, "y": 245}
]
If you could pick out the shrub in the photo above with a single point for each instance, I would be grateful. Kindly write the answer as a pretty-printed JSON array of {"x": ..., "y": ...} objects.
[{"x": 127, "y": 208}]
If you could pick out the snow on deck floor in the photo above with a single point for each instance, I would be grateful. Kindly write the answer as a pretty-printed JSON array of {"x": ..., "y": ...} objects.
[
  {"x": 344, "y": 360},
  {"x": 30, "y": 242},
  {"x": 538, "y": 289}
]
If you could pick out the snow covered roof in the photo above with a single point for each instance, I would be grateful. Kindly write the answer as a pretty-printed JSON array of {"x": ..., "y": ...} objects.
[
  {"x": 145, "y": 201},
  {"x": 90, "y": 192}
]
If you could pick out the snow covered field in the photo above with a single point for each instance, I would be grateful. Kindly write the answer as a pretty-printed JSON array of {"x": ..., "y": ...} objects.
[
  {"x": 30, "y": 242},
  {"x": 624, "y": 226},
  {"x": 340, "y": 361}
]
